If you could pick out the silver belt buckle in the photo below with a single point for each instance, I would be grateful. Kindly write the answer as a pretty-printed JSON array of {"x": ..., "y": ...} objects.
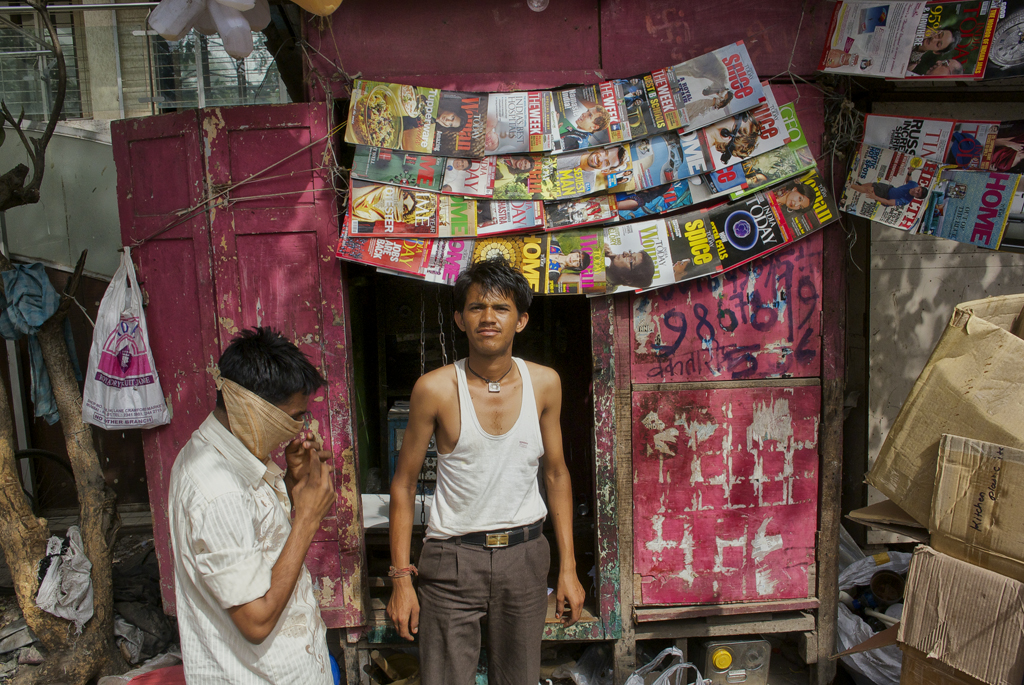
[{"x": 496, "y": 540}]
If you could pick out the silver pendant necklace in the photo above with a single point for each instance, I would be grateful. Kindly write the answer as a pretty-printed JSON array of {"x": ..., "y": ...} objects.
[{"x": 492, "y": 386}]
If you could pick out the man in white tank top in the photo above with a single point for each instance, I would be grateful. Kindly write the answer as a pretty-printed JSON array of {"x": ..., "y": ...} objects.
[{"x": 496, "y": 422}]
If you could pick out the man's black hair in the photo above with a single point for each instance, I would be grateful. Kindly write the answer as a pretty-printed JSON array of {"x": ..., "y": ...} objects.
[
  {"x": 494, "y": 275},
  {"x": 266, "y": 363}
]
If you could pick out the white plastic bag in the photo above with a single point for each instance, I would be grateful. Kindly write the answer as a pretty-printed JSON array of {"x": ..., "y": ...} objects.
[
  {"x": 122, "y": 388},
  {"x": 674, "y": 674}
]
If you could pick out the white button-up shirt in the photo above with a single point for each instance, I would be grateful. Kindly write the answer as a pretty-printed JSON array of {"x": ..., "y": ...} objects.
[{"x": 230, "y": 517}]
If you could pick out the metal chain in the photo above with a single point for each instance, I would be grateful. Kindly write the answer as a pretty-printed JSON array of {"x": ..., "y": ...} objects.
[
  {"x": 451, "y": 322},
  {"x": 440, "y": 328},
  {"x": 423, "y": 336}
]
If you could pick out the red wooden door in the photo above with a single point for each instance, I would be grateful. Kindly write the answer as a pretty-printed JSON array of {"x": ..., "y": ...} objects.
[{"x": 263, "y": 256}]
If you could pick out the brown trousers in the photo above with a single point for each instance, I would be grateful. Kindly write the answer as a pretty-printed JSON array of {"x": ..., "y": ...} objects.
[{"x": 459, "y": 586}]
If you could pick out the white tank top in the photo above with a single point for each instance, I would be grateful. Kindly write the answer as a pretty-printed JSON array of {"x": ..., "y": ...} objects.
[{"x": 489, "y": 482}]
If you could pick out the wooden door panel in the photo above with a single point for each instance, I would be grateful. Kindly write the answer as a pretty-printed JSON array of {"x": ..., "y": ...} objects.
[
  {"x": 762, "y": 320},
  {"x": 160, "y": 173},
  {"x": 725, "y": 493}
]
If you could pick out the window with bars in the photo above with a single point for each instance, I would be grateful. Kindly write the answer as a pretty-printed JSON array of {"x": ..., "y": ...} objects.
[{"x": 28, "y": 68}]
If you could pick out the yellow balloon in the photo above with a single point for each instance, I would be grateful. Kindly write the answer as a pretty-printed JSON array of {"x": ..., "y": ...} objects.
[{"x": 322, "y": 8}]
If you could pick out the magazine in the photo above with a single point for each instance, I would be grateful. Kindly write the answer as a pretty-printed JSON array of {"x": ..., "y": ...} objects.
[
  {"x": 588, "y": 116},
  {"x": 871, "y": 38},
  {"x": 703, "y": 188},
  {"x": 747, "y": 229},
  {"x": 472, "y": 177},
  {"x": 406, "y": 256},
  {"x": 581, "y": 212},
  {"x": 573, "y": 257},
  {"x": 575, "y": 174},
  {"x": 952, "y": 40},
  {"x": 653, "y": 201},
  {"x": 1013, "y": 233},
  {"x": 417, "y": 119},
  {"x": 637, "y": 256},
  {"x": 448, "y": 258},
  {"x": 399, "y": 168},
  {"x": 717, "y": 85},
  {"x": 509, "y": 216},
  {"x": 970, "y": 206},
  {"x": 666, "y": 92},
  {"x": 691, "y": 244},
  {"x": 527, "y": 254},
  {"x": 972, "y": 144},
  {"x": 777, "y": 165},
  {"x": 657, "y": 160},
  {"x": 920, "y": 137},
  {"x": 889, "y": 187},
  {"x": 727, "y": 180},
  {"x": 1008, "y": 151},
  {"x": 518, "y": 123},
  {"x": 518, "y": 177},
  {"x": 1004, "y": 56},
  {"x": 696, "y": 157},
  {"x": 744, "y": 135},
  {"x": 803, "y": 204},
  {"x": 645, "y": 111}
]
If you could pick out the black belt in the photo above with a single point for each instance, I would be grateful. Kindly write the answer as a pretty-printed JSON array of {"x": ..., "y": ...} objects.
[{"x": 502, "y": 538}]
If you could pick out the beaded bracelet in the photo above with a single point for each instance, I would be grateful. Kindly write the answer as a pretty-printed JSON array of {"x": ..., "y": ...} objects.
[{"x": 409, "y": 570}]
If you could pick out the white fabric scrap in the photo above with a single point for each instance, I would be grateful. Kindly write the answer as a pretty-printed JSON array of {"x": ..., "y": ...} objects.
[{"x": 66, "y": 590}]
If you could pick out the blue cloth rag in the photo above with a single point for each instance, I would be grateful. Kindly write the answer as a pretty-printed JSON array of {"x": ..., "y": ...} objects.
[{"x": 27, "y": 301}]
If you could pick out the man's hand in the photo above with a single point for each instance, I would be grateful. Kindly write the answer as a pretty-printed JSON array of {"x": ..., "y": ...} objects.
[
  {"x": 404, "y": 607},
  {"x": 314, "y": 495},
  {"x": 569, "y": 590},
  {"x": 298, "y": 455}
]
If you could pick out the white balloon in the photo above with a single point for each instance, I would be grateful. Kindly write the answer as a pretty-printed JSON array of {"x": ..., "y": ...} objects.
[
  {"x": 240, "y": 5},
  {"x": 259, "y": 16},
  {"x": 204, "y": 23},
  {"x": 233, "y": 29},
  {"x": 172, "y": 19}
]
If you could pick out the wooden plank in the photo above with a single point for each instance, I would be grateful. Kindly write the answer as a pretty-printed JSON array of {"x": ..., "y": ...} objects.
[
  {"x": 472, "y": 45},
  {"x": 703, "y": 627},
  {"x": 833, "y": 380},
  {"x": 711, "y": 385},
  {"x": 606, "y": 496},
  {"x": 725, "y": 493},
  {"x": 648, "y": 614},
  {"x": 635, "y": 33},
  {"x": 625, "y": 647},
  {"x": 160, "y": 171},
  {"x": 758, "y": 321}
]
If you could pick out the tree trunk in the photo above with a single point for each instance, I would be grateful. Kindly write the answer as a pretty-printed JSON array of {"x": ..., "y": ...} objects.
[{"x": 73, "y": 659}]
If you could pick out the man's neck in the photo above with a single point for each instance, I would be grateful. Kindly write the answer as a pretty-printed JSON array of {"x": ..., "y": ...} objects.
[{"x": 491, "y": 368}]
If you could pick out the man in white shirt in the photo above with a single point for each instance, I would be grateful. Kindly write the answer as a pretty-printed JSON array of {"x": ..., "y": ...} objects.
[
  {"x": 495, "y": 419},
  {"x": 245, "y": 604}
]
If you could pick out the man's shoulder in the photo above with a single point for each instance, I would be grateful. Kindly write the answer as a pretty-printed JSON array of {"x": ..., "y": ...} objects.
[
  {"x": 200, "y": 473},
  {"x": 543, "y": 376},
  {"x": 437, "y": 385}
]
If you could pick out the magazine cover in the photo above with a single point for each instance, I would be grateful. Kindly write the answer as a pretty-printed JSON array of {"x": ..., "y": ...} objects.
[
  {"x": 972, "y": 144},
  {"x": 696, "y": 157},
  {"x": 399, "y": 168},
  {"x": 572, "y": 259},
  {"x": 746, "y": 230},
  {"x": 1013, "y": 233},
  {"x": 381, "y": 209},
  {"x": 417, "y": 119},
  {"x": 588, "y": 116},
  {"x": 779, "y": 164},
  {"x": 657, "y": 160},
  {"x": 922, "y": 137},
  {"x": 574, "y": 174},
  {"x": 704, "y": 189},
  {"x": 518, "y": 123},
  {"x": 508, "y": 216},
  {"x": 653, "y": 201},
  {"x": 666, "y": 92},
  {"x": 527, "y": 254},
  {"x": 970, "y": 206},
  {"x": 518, "y": 177},
  {"x": 888, "y": 186},
  {"x": 1008, "y": 152},
  {"x": 804, "y": 204},
  {"x": 589, "y": 210},
  {"x": 637, "y": 256},
  {"x": 744, "y": 135},
  {"x": 727, "y": 180},
  {"x": 691, "y": 244},
  {"x": 447, "y": 259},
  {"x": 871, "y": 38},
  {"x": 396, "y": 254},
  {"x": 1005, "y": 57},
  {"x": 643, "y": 108},
  {"x": 952, "y": 40},
  {"x": 717, "y": 85},
  {"x": 472, "y": 177}
]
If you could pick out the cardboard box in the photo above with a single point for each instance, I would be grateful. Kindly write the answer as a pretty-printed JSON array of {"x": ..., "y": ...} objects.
[
  {"x": 885, "y": 515},
  {"x": 972, "y": 385},
  {"x": 978, "y": 504},
  {"x": 966, "y": 617},
  {"x": 920, "y": 670}
]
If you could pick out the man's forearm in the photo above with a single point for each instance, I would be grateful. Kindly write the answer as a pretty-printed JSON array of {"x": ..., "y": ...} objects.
[
  {"x": 559, "y": 489},
  {"x": 400, "y": 514}
]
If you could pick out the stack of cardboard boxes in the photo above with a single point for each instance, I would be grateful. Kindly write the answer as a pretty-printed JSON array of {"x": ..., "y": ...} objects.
[{"x": 953, "y": 463}]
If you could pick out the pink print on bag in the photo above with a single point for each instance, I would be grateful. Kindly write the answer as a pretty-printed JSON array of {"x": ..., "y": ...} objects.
[{"x": 124, "y": 361}]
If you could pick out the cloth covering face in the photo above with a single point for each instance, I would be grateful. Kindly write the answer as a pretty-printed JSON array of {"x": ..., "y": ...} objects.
[{"x": 258, "y": 424}]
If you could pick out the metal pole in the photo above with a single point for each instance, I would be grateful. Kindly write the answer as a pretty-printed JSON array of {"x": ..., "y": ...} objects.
[
  {"x": 25, "y": 9},
  {"x": 117, "y": 63}
]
